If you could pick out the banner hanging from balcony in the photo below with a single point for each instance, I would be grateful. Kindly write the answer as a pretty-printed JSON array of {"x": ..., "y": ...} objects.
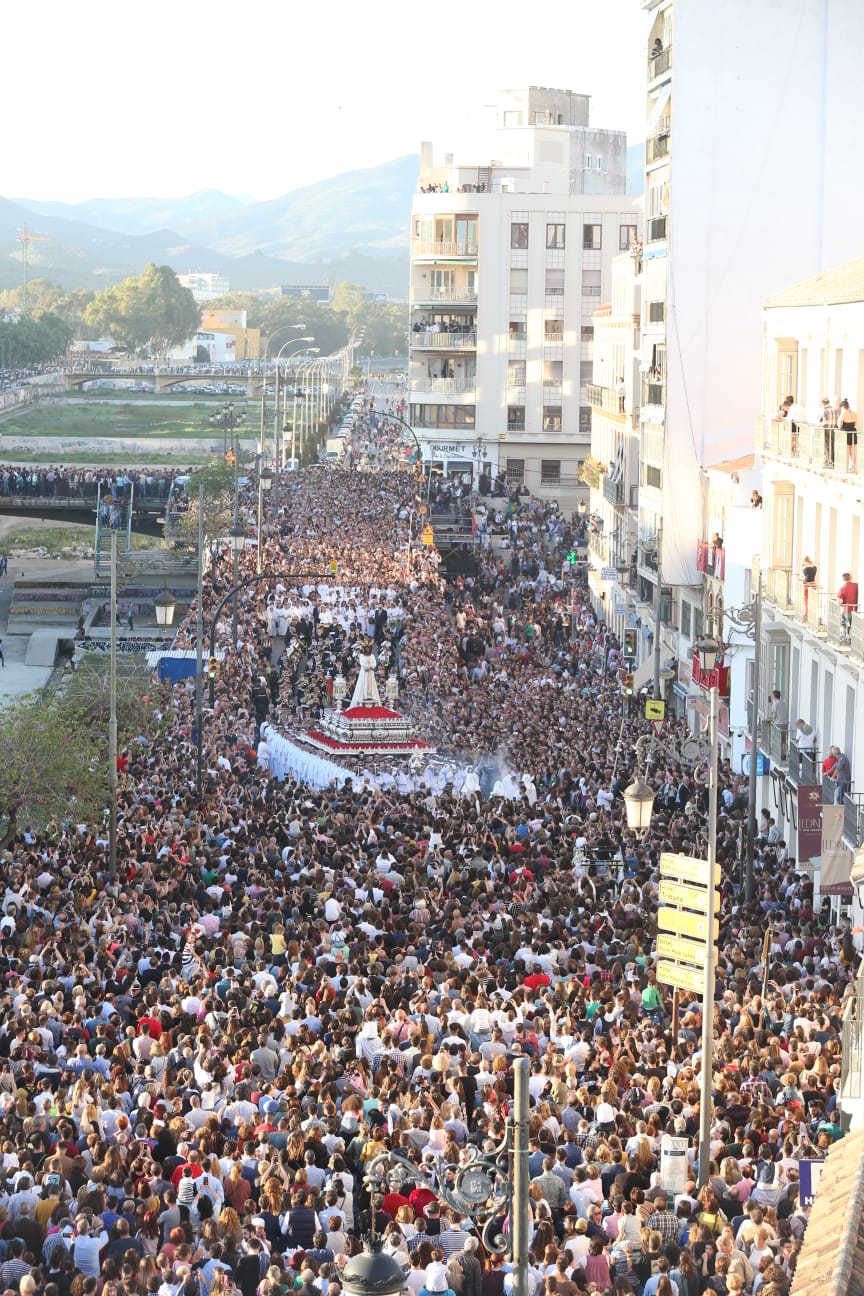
[
  {"x": 836, "y": 862},
  {"x": 809, "y": 821}
]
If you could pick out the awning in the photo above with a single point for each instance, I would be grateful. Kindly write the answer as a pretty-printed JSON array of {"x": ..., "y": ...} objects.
[
  {"x": 644, "y": 672},
  {"x": 659, "y": 104}
]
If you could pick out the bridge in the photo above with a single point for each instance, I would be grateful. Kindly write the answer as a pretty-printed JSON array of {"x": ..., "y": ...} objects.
[
  {"x": 167, "y": 380},
  {"x": 145, "y": 516}
]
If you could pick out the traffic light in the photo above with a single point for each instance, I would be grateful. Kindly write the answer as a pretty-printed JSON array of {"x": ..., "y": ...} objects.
[
  {"x": 630, "y": 644},
  {"x": 213, "y": 668},
  {"x": 629, "y": 684}
]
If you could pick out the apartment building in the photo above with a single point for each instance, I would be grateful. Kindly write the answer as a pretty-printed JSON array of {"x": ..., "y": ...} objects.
[
  {"x": 751, "y": 120},
  {"x": 612, "y": 470},
  {"x": 813, "y": 493},
  {"x": 509, "y": 260}
]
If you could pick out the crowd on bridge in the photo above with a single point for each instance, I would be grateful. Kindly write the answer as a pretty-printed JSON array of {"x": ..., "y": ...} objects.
[
  {"x": 59, "y": 482},
  {"x": 200, "y": 1060}
]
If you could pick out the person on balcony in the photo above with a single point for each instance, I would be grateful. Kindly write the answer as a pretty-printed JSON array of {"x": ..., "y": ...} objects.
[
  {"x": 778, "y": 713},
  {"x": 848, "y": 423},
  {"x": 842, "y": 777},
  {"x": 828, "y": 420},
  {"x": 805, "y": 736},
  {"x": 656, "y": 48},
  {"x": 808, "y": 579},
  {"x": 848, "y": 596}
]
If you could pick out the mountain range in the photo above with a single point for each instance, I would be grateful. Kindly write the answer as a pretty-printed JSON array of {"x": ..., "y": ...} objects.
[{"x": 351, "y": 226}]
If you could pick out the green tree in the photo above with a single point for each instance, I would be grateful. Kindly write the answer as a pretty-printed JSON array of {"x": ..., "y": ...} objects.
[
  {"x": 31, "y": 340},
  {"x": 217, "y": 479},
  {"x": 149, "y": 313}
]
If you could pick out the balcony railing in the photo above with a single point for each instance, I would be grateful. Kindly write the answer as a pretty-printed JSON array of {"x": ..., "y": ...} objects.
[
  {"x": 853, "y": 819},
  {"x": 857, "y": 637},
  {"x": 657, "y": 147},
  {"x": 804, "y": 766},
  {"x": 778, "y": 587},
  {"x": 774, "y": 741},
  {"x": 613, "y": 491},
  {"x": 516, "y": 425},
  {"x": 808, "y": 444},
  {"x": 445, "y": 248},
  {"x": 552, "y": 393},
  {"x": 444, "y": 386},
  {"x": 838, "y": 626},
  {"x": 809, "y": 605},
  {"x": 445, "y": 341},
  {"x": 653, "y": 393},
  {"x": 852, "y": 1047},
  {"x": 445, "y": 295},
  {"x": 656, "y": 229},
  {"x": 605, "y": 398},
  {"x": 660, "y": 63}
]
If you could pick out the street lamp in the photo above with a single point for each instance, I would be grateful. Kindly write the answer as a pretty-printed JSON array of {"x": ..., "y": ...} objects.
[
  {"x": 265, "y": 483},
  {"x": 164, "y": 605},
  {"x": 236, "y": 541},
  {"x": 373, "y": 1272},
  {"x": 638, "y": 805},
  {"x": 299, "y": 351}
]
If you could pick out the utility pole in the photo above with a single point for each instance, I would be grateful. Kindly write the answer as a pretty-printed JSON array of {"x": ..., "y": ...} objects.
[
  {"x": 112, "y": 717},
  {"x": 521, "y": 1221},
  {"x": 756, "y": 583},
  {"x": 658, "y": 603},
  {"x": 199, "y": 645}
]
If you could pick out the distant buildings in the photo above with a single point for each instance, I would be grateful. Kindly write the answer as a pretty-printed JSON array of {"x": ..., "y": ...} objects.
[
  {"x": 205, "y": 287},
  {"x": 509, "y": 259},
  {"x": 307, "y": 292}
]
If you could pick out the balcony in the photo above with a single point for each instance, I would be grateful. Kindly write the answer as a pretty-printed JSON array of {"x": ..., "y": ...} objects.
[
  {"x": 613, "y": 491},
  {"x": 774, "y": 741},
  {"x": 808, "y": 444},
  {"x": 516, "y": 425},
  {"x": 804, "y": 766},
  {"x": 605, "y": 398},
  {"x": 656, "y": 229},
  {"x": 445, "y": 341},
  {"x": 657, "y": 147},
  {"x": 837, "y": 626},
  {"x": 516, "y": 394},
  {"x": 451, "y": 295},
  {"x": 442, "y": 386},
  {"x": 553, "y": 348},
  {"x": 552, "y": 393},
  {"x": 653, "y": 392},
  {"x": 660, "y": 63},
  {"x": 778, "y": 587},
  {"x": 710, "y": 559},
  {"x": 857, "y": 637},
  {"x": 434, "y": 249},
  {"x": 853, "y": 820},
  {"x": 717, "y": 678},
  {"x": 810, "y": 606}
]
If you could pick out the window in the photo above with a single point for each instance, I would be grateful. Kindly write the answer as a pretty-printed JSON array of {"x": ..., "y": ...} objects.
[
  {"x": 540, "y": 119},
  {"x": 685, "y": 619},
  {"x": 585, "y": 420},
  {"x": 626, "y": 237},
  {"x": 515, "y": 418},
  {"x": 550, "y": 472},
  {"x": 653, "y": 476},
  {"x": 512, "y": 119},
  {"x": 555, "y": 235},
  {"x": 586, "y": 371},
  {"x": 519, "y": 234},
  {"x": 592, "y": 237},
  {"x": 516, "y": 373},
  {"x": 656, "y": 312},
  {"x": 587, "y": 161},
  {"x": 598, "y": 161},
  {"x": 553, "y": 330},
  {"x": 587, "y": 333},
  {"x": 551, "y": 418},
  {"x": 517, "y": 330},
  {"x": 590, "y": 283},
  {"x": 515, "y": 471}
]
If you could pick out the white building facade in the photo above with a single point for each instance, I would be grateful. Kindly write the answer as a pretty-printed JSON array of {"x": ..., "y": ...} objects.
[
  {"x": 813, "y": 500},
  {"x": 508, "y": 264},
  {"x": 725, "y": 140}
]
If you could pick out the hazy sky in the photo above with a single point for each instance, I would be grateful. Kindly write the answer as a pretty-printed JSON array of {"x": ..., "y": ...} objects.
[{"x": 163, "y": 99}]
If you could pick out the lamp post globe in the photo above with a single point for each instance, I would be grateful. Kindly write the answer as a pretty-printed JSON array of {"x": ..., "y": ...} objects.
[
  {"x": 164, "y": 605},
  {"x": 373, "y": 1273},
  {"x": 639, "y": 804}
]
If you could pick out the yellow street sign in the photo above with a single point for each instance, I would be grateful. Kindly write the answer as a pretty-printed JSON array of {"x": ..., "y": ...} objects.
[
  {"x": 655, "y": 709},
  {"x": 685, "y": 978},
  {"x": 427, "y": 535},
  {"x": 686, "y": 924},
  {"x": 684, "y": 868},
  {"x": 689, "y": 897},
  {"x": 687, "y": 951}
]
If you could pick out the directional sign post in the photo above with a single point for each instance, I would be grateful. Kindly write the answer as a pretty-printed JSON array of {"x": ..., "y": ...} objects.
[{"x": 681, "y": 923}]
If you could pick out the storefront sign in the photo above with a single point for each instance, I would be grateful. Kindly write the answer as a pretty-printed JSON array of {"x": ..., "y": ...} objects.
[{"x": 809, "y": 821}]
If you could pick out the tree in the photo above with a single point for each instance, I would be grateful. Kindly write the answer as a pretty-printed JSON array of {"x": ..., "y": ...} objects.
[
  {"x": 30, "y": 340},
  {"x": 218, "y": 479},
  {"x": 148, "y": 314},
  {"x": 43, "y": 774}
]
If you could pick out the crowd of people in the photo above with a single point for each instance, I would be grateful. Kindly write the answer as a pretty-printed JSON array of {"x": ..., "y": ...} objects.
[
  {"x": 59, "y": 482},
  {"x": 200, "y": 1059}
]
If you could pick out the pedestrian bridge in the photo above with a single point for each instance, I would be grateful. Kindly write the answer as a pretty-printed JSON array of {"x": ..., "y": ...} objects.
[{"x": 167, "y": 380}]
